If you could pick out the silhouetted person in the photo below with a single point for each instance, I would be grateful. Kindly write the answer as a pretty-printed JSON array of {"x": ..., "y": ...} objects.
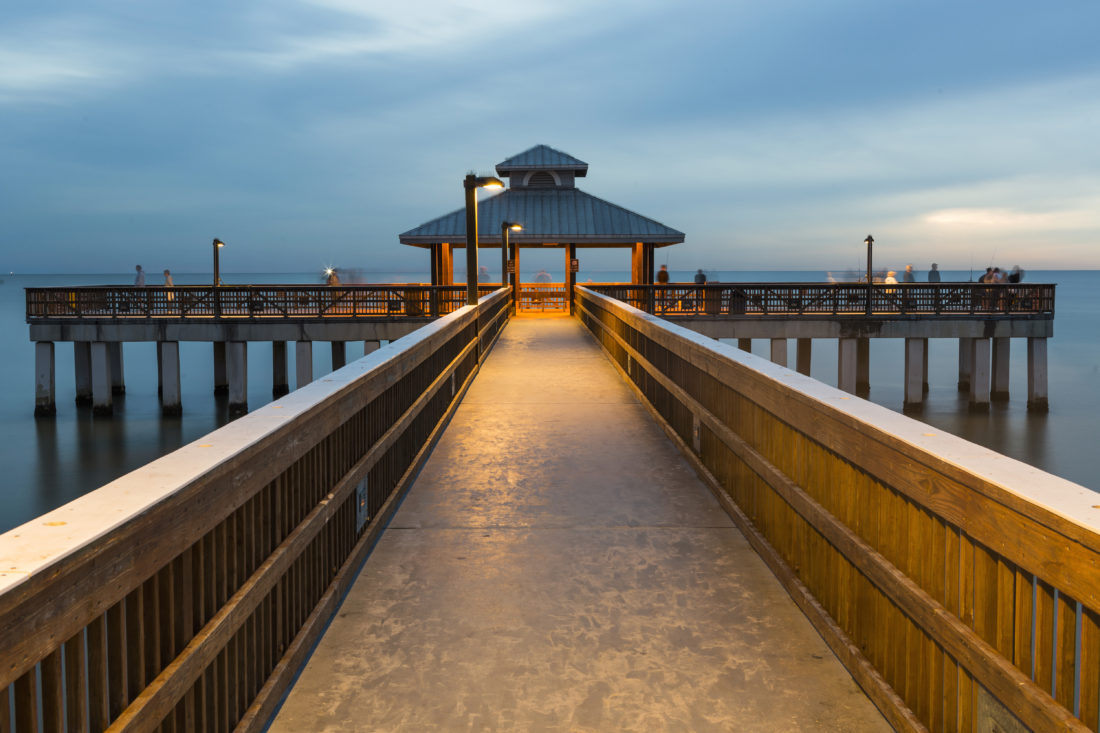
[
  {"x": 907, "y": 276},
  {"x": 700, "y": 277},
  {"x": 934, "y": 273}
]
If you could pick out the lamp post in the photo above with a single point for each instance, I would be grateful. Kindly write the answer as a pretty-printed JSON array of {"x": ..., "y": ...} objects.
[
  {"x": 471, "y": 184},
  {"x": 505, "y": 251},
  {"x": 869, "y": 241},
  {"x": 218, "y": 244}
]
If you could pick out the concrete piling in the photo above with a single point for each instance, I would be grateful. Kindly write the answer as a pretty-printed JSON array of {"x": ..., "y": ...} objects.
[
  {"x": 169, "y": 357},
  {"x": 303, "y": 363},
  {"x": 339, "y": 354},
  {"x": 45, "y": 403},
  {"x": 101, "y": 379},
  {"x": 279, "y": 382},
  {"x": 979, "y": 374},
  {"x": 82, "y": 371},
  {"x": 237, "y": 367},
  {"x": 1000, "y": 370}
]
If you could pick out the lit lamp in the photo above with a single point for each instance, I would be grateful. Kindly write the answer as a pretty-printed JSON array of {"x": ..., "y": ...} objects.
[
  {"x": 471, "y": 184},
  {"x": 869, "y": 241},
  {"x": 218, "y": 244},
  {"x": 505, "y": 251}
]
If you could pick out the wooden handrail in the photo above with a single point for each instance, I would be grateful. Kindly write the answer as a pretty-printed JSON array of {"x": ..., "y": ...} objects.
[
  {"x": 184, "y": 595},
  {"x": 933, "y": 567},
  {"x": 253, "y": 302},
  {"x": 835, "y": 299}
]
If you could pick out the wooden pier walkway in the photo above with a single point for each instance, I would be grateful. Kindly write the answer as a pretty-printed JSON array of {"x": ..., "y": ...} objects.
[{"x": 557, "y": 565}]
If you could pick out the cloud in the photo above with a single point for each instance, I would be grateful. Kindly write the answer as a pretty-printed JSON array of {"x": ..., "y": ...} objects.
[
  {"x": 470, "y": 31},
  {"x": 57, "y": 59}
]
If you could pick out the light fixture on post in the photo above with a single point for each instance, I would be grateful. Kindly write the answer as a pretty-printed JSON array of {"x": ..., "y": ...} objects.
[
  {"x": 218, "y": 244},
  {"x": 869, "y": 241},
  {"x": 471, "y": 183},
  {"x": 505, "y": 255}
]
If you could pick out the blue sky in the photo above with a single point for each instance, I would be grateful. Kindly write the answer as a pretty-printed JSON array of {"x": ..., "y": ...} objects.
[{"x": 775, "y": 135}]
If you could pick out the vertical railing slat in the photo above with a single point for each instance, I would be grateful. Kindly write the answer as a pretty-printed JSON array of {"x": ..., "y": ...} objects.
[
  {"x": 53, "y": 693},
  {"x": 76, "y": 699},
  {"x": 26, "y": 702},
  {"x": 1089, "y": 665},
  {"x": 1065, "y": 651},
  {"x": 98, "y": 717},
  {"x": 1043, "y": 661}
]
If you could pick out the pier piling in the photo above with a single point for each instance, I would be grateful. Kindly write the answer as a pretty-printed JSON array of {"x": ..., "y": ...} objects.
[
  {"x": 44, "y": 401},
  {"x": 168, "y": 353},
  {"x": 221, "y": 384},
  {"x": 101, "y": 379},
  {"x": 237, "y": 365},
  {"x": 803, "y": 355},
  {"x": 279, "y": 383},
  {"x": 339, "y": 354},
  {"x": 82, "y": 371},
  {"x": 1001, "y": 354},
  {"x": 1037, "y": 375},
  {"x": 979, "y": 374},
  {"x": 303, "y": 363}
]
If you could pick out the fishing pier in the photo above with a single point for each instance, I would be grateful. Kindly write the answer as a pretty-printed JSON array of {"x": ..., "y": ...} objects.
[
  {"x": 523, "y": 570},
  {"x": 557, "y": 506}
]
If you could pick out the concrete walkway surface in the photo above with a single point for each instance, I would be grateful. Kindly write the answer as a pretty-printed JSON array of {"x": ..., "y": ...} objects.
[{"x": 558, "y": 566}]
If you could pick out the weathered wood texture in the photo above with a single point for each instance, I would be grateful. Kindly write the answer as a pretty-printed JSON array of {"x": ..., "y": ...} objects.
[
  {"x": 195, "y": 612},
  {"x": 930, "y": 580}
]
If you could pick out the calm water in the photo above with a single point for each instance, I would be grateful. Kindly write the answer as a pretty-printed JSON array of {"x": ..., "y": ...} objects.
[{"x": 50, "y": 462}]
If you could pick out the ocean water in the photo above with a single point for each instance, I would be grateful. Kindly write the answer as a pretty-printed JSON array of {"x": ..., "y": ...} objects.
[{"x": 48, "y": 462}]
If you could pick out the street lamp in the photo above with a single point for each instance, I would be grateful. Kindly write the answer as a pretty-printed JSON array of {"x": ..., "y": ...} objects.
[
  {"x": 505, "y": 252},
  {"x": 471, "y": 183},
  {"x": 218, "y": 244},
  {"x": 869, "y": 241}
]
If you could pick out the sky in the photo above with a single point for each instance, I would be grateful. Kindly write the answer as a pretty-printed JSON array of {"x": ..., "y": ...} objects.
[{"x": 776, "y": 135}]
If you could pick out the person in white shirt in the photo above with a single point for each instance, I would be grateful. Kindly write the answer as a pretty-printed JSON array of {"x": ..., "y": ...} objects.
[{"x": 139, "y": 280}]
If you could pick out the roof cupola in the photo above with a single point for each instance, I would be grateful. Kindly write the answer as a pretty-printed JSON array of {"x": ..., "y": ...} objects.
[{"x": 542, "y": 167}]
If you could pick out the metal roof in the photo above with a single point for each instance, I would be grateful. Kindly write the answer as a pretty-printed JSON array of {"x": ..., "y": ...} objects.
[
  {"x": 543, "y": 157},
  {"x": 560, "y": 216}
]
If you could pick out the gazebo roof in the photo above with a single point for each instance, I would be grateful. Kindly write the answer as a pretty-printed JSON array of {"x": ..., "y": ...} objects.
[
  {"x": 548, "y": 215},
  {"x": 550, "y": 209},
  {"x": 542, "y": 157}
]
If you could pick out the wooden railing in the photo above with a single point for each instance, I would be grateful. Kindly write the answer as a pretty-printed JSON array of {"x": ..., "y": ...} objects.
[
  {"x": 834, "y": 299},
  {"x": 955, "y": 583},
  {"x": 185, "y": 595},
  {"x": 247, "y": 301},
  {"x": 542, "y": 297}
]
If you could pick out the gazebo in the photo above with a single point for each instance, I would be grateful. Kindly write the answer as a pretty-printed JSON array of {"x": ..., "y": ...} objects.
[{"x": 542, "y": 197}]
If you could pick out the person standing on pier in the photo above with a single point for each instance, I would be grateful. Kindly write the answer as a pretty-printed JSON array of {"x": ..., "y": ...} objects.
[
  {"x": 934, "y": 273},
  {"x": 169, "y": 284},
  {"x": 907, "y": 276},
  {"x": 139, "y": 279}
]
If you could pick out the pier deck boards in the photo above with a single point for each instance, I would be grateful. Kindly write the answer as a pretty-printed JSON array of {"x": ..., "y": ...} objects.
[{"x": 557, "y": 565}]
